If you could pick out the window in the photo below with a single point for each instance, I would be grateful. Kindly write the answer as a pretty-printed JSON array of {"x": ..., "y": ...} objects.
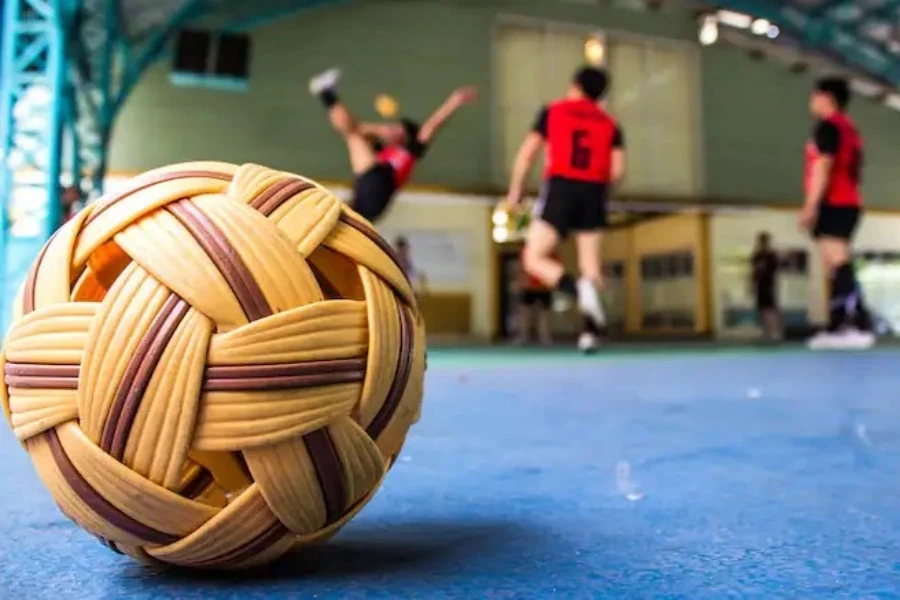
[
  {"x": 207, "y": 59},
  {"x": 654, "y": 95}
]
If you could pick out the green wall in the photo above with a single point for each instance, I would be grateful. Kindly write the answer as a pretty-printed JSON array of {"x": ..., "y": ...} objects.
[{"x": 754, "y": 113}]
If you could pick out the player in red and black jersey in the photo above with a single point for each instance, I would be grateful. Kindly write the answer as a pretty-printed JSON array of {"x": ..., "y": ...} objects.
[
  {"x": 832, "y": 210},
  {"x": 585, "y": 156},
  {"x": 382, "y": 155}
]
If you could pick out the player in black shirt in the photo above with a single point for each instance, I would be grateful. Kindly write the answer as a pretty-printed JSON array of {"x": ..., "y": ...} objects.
[{"x": 764, "y": 280}]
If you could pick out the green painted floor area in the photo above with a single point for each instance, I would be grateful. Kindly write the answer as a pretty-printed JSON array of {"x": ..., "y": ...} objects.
[{"x": 498, "y": 355}]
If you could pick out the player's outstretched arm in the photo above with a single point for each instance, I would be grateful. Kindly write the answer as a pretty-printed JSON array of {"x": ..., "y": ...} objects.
[
  {"x": 525, "y": 159},
  {"x": 456, "y": 100}
]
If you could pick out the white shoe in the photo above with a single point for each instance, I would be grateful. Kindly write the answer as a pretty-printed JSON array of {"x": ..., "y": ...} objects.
[
  {"x": 589, "y": 302},
  {"x": 855, "y": 339},
  {"x": 326, "y": 80},
  {"x": 824, "y": 340},
  {"x": 588, "y": 342},
  {"x": 847, "y": 339}
]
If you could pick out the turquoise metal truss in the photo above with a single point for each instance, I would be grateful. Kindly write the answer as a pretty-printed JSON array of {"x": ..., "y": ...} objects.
[
  {"x": 845, "y": 40},
  {"x": 32, "y": 115},
  {"x": 67, "y": 68},
  {"x": 105, "y": 65}
]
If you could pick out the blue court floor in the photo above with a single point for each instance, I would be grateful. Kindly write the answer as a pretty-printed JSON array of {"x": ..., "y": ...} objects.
[{"x": 702, "y": 474}]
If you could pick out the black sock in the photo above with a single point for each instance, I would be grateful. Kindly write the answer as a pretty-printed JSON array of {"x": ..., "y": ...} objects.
[
  {"x": 847, "y": 305},
  {"x": 588, "y": 326},
  {"x": 566, "y": 285},
  {"x": 841, "y": 288},
  {"x": 329, "y": 98}
]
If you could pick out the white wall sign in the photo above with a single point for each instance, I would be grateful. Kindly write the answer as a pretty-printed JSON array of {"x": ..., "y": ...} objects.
[{"x": 441, "y": 254}]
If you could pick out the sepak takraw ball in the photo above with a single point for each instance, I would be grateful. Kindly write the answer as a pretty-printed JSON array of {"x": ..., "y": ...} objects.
[{"x": 214, "y": 365}]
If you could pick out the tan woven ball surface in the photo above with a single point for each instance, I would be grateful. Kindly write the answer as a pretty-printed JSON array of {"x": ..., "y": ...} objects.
[{"x": 214, "y": 366}]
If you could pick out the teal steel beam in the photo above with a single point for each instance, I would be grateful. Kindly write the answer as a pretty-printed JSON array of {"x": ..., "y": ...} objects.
[
  {"x": 825, "y": 36},
  {"x": 258, "y": 18},
  {"x": 32, "y": 116},
  {"x": 825, "y": 7},
  {"x": 888, "y": 10}
]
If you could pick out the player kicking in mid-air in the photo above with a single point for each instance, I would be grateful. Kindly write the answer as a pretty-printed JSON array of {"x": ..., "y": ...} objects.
[
  {"x": 585, "y": 156},
  {"x": 382, "y": 155},
  {"x": 832, "y": 210}
]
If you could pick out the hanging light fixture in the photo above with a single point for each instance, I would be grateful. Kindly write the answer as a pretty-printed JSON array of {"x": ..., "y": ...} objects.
[{"x": 709, "y": 30}]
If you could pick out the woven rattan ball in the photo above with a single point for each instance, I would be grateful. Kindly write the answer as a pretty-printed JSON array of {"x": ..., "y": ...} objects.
[{"x": 214, "y": 366}]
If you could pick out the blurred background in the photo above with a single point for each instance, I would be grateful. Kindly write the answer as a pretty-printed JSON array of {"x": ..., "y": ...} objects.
[{"x": 712, "y": 97}]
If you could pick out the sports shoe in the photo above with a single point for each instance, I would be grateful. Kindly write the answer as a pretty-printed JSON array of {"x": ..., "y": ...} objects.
[
  {"x": 589, "y": 302},
  {"x": 823, "y": 340},
  {"x": 846, "y": 339},
  {"x": 588, "y": 343},
  {"x": 326, "y": 80}
]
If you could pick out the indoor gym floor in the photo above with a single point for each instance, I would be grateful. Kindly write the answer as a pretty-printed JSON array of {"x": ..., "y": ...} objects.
[{"x": 636, "y": 474}]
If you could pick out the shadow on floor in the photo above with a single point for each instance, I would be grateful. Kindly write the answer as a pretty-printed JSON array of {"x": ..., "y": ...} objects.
[{"x": 365, "y": 550}]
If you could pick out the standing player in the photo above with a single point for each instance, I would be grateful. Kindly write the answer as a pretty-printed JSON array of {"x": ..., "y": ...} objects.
[
  {"x": 764, "y": 281},
  {"x": 585, "y": 155},
  {"x": 383, "y": 167},
  {"x": 831, "y": 212}
]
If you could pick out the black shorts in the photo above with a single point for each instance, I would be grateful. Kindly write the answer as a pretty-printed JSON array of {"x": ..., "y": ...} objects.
[
  {"x": 373, "y": 191},
  {"x": 536, "y": 298},
  {"x": 569, "y": 205},
  {"x": 765, "y": 299},
  {"x": 836, "y": 221}
]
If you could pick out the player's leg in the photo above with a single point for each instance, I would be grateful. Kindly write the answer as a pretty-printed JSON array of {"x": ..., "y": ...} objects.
[
  {"x": 523, "y": 318},
  {"x": 775, "y": 326},
  {"x": 767, "y": 312},
  {"x": 850, "y": 324},
  {"x": 588, "y": 245},
  {"x": 551, "y": 221},
  {"x": 542, "y": 316},
  {"x": 541, "y": 242},
  {"x": 770, "y": 323},
  {"x": 846, "y": 293},
  {"x": 362, "y": 156},
  {"x": 373, "y": 191},
  {"x": 591, "y": 221}
]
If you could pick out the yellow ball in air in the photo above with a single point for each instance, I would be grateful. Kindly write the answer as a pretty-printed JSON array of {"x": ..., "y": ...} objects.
[{"x": 386, "y": 106}]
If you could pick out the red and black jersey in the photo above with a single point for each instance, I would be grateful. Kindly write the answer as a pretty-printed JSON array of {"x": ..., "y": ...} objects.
[
  {"x": 580, "y": 137},
  {"x": 402, "y": 158},
  {"x": 838, "y": 138}
]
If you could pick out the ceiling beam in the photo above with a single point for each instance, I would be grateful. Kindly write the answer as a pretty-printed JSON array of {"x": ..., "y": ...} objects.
[
  {"x": 825, "y": 7},
  {"x": 822, "y": 34},
  {"x": 886, "y": 11}
]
